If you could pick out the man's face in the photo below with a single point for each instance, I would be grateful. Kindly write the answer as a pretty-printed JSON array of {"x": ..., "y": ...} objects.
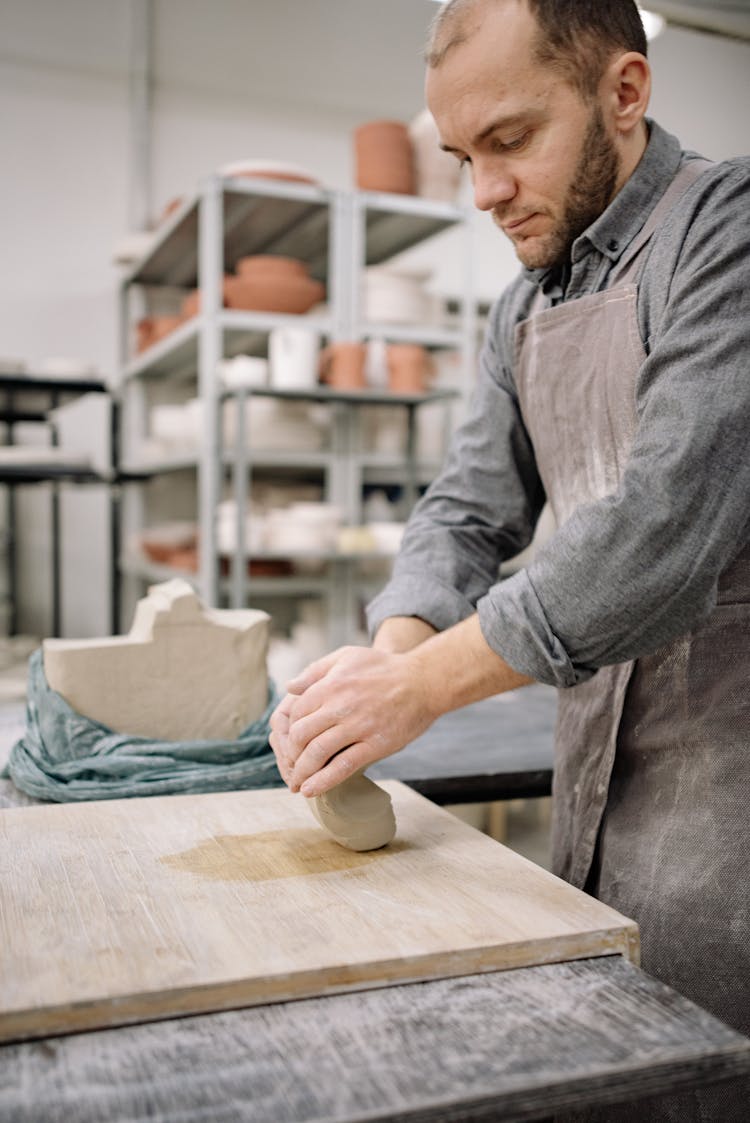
[{"x": 542, "y": 160}]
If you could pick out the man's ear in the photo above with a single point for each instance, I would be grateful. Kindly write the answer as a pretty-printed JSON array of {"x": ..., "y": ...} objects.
[{"x": 626, "y": 86}]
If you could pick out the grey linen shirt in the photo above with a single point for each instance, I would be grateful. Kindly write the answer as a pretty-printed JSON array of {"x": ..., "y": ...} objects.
[{"x": 626, "y": 574}]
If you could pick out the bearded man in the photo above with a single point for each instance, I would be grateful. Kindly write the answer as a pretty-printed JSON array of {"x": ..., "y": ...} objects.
[{"x": 613, "y": 384}]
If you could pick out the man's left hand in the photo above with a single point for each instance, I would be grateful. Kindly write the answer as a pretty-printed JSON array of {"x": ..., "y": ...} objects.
[{"x": 345, "y": 711}]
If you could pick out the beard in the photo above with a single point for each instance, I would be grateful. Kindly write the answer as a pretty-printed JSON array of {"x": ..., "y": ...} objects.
[{"x": 591, "y": 191}]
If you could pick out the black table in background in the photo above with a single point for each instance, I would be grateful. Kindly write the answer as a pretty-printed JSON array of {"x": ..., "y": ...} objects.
[{"x": 500, "y": 748}]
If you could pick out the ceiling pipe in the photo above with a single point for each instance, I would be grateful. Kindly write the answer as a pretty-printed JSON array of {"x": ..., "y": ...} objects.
[{"x": 141, "y": 83}]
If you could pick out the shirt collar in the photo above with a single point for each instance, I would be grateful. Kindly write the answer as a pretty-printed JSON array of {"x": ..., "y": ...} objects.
[{"x": 616, "y": 227}]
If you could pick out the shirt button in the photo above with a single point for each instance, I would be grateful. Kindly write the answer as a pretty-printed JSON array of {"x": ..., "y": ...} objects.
[{"x": 613, "y": 244}]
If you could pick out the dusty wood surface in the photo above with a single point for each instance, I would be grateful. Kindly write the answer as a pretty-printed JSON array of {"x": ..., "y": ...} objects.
[
  {"x": 512, "y": 1045},
  {"x": 126, "y": 910}
]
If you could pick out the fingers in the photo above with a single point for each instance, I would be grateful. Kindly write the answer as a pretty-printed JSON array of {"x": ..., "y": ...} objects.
[
  {"x": 279, "y": 737},
  {"x": 297, "y": 726},
  {"x": 318, "y": 753},
  {"x": 337, "y": 770},
  {"x": 313, "y": 673}
]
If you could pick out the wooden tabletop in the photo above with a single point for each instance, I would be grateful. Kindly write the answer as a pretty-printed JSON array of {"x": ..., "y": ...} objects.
[
  {"x": 500, "y": 748},
  {"x": 509, "y": 1045}
]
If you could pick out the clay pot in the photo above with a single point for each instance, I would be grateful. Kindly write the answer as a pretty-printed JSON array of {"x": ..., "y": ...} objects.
[
  {"x": 384, "y": 159},
  {"x": 162, "y": 326},
  {"x": 150, "y": 329},
  {"x": 267, "y": 169},
  {"x": 273, "y": 293},
  {"x": 269, "y": 265},
  {"x": 170, "y": 208},
  {"x": 342, "y": 366},
  {"x": 408, "y": 368},
  {"x": 160, "y": 544},
  {"x": 144, "y": 334},
  {"x": 184, "y": 559},
  {"x": 191, "y": 305}
]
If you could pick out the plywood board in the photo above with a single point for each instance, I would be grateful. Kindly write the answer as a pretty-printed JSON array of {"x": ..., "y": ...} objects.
[{"x": 131, "y": 910}]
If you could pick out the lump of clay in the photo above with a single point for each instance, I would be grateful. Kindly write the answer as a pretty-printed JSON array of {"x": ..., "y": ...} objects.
[
  {"x": 183, "y": 672},
  {"x": 357, "y": 814}
]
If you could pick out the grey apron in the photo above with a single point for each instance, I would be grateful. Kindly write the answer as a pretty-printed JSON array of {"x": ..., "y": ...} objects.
[{"x": 651, "y": 757}]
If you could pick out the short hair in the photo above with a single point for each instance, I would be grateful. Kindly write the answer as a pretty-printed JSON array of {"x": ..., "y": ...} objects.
[{"x": 576, "y": 37}]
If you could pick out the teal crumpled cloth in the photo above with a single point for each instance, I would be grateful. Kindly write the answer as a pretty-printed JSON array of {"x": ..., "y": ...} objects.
[{"x": 65, "y": 756}]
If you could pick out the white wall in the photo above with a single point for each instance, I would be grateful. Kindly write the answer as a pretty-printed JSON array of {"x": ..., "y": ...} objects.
[{"x": 234, "y": 78}]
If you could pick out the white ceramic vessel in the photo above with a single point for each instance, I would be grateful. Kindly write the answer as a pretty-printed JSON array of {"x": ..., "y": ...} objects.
[{"x": 293, "y": 357}]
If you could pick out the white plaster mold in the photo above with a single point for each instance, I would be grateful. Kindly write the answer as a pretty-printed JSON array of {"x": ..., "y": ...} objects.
[{"x": 184, "y": 672}]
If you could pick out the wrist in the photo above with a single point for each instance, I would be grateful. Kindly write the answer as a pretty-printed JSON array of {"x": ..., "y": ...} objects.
[
  {"x": 402, "y": 633},
  {"x": 457, "y": 667}
]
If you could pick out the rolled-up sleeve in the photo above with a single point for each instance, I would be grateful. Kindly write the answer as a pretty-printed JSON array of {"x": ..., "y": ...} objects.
[{"x": 627, "y": 574}]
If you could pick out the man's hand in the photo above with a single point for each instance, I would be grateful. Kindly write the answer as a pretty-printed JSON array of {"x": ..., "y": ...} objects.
[
  {"x": 346, "y": 711},
  {"x": 360, "y": 704}
]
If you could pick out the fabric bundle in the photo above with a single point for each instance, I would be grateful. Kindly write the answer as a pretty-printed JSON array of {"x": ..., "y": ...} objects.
[{"x": 64, "y": 756}]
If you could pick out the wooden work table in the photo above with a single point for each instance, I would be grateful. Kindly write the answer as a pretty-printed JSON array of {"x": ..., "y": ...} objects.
[{"x": 511, "y": 1045}]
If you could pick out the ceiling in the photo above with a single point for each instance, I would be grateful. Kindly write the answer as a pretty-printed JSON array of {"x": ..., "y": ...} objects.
[{"x": 726, "y": 17}]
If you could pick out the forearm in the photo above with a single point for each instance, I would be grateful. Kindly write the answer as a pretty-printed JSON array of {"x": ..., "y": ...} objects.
[
  {"x": 457, "y": 667},
  {"x": 402, "y": 633}
]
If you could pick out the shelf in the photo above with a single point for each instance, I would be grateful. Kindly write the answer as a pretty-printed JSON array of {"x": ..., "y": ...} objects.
[
  {"x": 172, "y": 357},
  {"x": 49, "y": 473},
  {"x": 259, "y": 216},
  {"x": 364, "y": 397},
  {"x": 391, "y": 471},
  {"x": 30, "y": 397},
  {"x": 394, "y": 223},
  {"x": 337, "y": 233},
  {"x": 265, "y": 459},
  {"x": 293, "y": 585},
  {"x": 291, "y": 219},
  {"x": 245, "y": 333},
  {"x": 431, "y": 336}
]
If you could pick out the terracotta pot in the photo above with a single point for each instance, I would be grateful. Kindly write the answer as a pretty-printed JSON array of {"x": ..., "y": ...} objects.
[
  {"x": 408, "y": 368},
  {"x": 191, "y": 305},
  {"x": 384, "y": 159},
  {"x": 268, "y": 265},
  {"x": 162, "y": 326},
  {"x": 284, "y": 177},
  {"x": 268, "y": 169},
  {"x": 271, "y": 293},
  {"x": 144, "y": 334},
  {"x": 342, "y": 365},
  {"x": 170, "y": 208},
  {"x": 184, "y": 559}
]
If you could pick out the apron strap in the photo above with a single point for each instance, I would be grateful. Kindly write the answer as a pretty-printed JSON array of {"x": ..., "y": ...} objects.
[{"x": 629, "y": 265}]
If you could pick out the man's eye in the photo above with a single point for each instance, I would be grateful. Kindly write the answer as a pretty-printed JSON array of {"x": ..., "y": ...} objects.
[
  {"x": 516, "y": 143},
  {"x": 463, "y": 160},
  {"x": 512, "y": 145}
]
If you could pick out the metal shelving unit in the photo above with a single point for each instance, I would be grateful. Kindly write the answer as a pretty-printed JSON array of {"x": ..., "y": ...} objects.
[
  {"x": 32, "y": 398},
  {"x": 337, "y": 233}
]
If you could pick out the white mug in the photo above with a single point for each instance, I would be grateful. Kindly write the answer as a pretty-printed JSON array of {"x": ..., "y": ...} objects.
[{"x": 293, "y": 357}]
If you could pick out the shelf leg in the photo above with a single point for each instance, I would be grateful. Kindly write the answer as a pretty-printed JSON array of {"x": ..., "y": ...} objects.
[{"x": 210, "y": 347}]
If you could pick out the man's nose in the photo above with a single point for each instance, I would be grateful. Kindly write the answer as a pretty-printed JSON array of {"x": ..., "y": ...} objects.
[{"x": 493, "y": 185}]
